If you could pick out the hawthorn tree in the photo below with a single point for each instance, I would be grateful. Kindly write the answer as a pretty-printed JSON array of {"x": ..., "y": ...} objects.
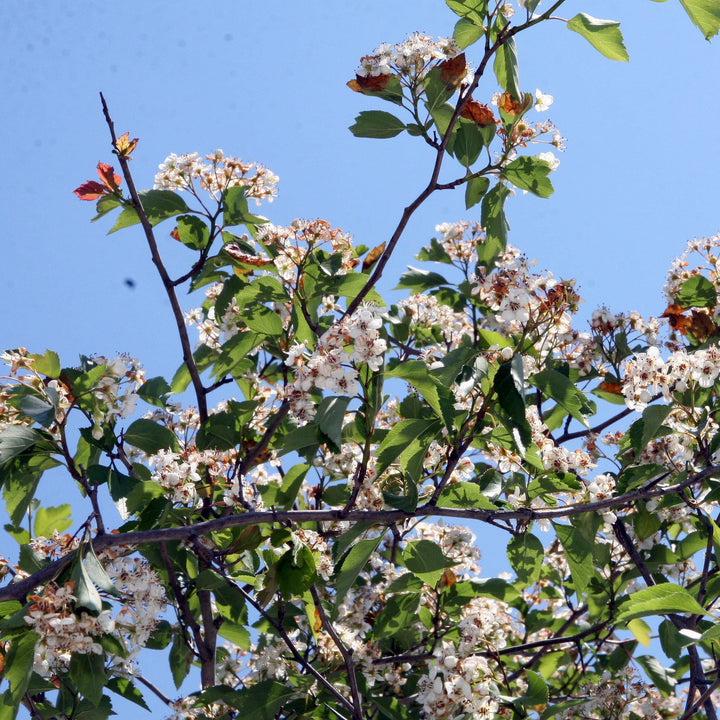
[{"x": 292, "y": 530}]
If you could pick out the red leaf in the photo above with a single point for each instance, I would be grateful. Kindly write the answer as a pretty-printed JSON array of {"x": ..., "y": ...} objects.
[
  {"x": 90, "y": 190},
  {"x": 108, "y": 176}
]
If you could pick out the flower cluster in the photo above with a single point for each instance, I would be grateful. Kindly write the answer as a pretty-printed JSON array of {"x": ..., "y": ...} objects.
[
  {"x": 411, "y": 59},
  {"x": 291, "y": 245},
  {"x": 647, "y": 374},
  {"x": 329, "y": 367},
  {"x": 215, "y": 173},
  {"x": 184, "y": 474},
  {"x": 62, "y": 632}
]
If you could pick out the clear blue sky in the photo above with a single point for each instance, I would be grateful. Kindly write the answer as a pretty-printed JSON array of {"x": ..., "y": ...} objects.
[{"x": 266, "y": 81}]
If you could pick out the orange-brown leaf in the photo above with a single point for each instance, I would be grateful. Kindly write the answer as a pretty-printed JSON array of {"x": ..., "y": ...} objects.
[
  {"x": 452, "y": 71},
  {"x": 373, "y": 256},
  {"x": 124, "y": 145},
  {"x": 480, "y": 114},
  {"x": 108, "y": 176},
  {"x": 317, "y": 620},
  {"x": 701, "y": 326},
  {"x": 611, "y": 387},
  {"x": 677, "y": 319},
  {"x": 508, "y": 105},
  {"x": 90, "y": 190},
  {"x": 448, "y": 578},
  {"x": 371, "y": 83}
]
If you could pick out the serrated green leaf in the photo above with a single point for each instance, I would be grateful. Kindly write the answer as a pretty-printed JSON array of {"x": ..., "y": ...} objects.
[
  {"x": 193, "y": 232},
  {"x": 47, "y": 364},
  {"x": 467, "y": 32},
  {"x": 16, "y": 439},
  {"x": 475, "y": 190},
  {"x": 697, "y": 291},
  {"x": 705, "y": 15},
  {"x": 531, "y": 174},
  {"x": 420, "y": 280},
  {"x": 660, "y": 599},
  {"x": 537, "y": 691},
  {"x": 465, "y": 495},
  {"x": 353, "y": 564},
  {"x": 472, "y": 10},
  {"x": 603, "y": 35},
  {"x": 425, "y": 560},
  {"x": 526, "y": 553},
  {"x": 158, "y": 205},
  {"x": 377, "y": 124},
  {"x": 87, "y": 671},
  {"x": 180, "y": 659},
  {"x": 124, "y": 688},
  {"x": 49, "y": 519},
  {"x": 563, "y": 391},
  {"x": 330, "y": 416},
  {"x": 150, "y": 437},
  {"x": 505, "y": 67}
]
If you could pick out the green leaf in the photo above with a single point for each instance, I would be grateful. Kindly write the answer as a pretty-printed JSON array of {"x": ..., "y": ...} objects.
[
  {"x": 537, "y": 690},
  {"x": 96, "y": 572},
  {"x": 262, "y": 320},
  {"x": 469, "y": 142},
  {"x": 493, "y": 218},
  {"x": 87, "y": 671},
  {"x": 295, "y": 571},
  {"x": 150, "y": 437},
  {"x": 235, "y": 208},
  {"x": 659, "y": 599},
  {"x": 438, "y": 396},
  {"x": 425, "y": 560},
  {"x": 465, "y": 495},
  {"x": 353, "y": 564},
  {"x": 562, "y": 390},
  {"x": 14, "y": 440},
  {"x": 467, "y": 32},
  {"x": 475, "y": 190},
  {"x": 124, "y": 688},
  {"x": 510, "y": 389},
  {"x": 88, "y": 598},
  {"x": 663, "y": 678},
  {"x": 47, "y": 364},
  {"x": 603, "y": 35},
  {"x": 531, "y": 174},
  {"x": 262, "y": 701},
  {"x": 705, "y": 15},
  {"x": 578, "y": 550},
  {"x": 526, "y": 553},
  {"x": 398, "y": 615},
  {"x": 419, "y": 280},
  {"x": 155, "y": 391},
  {"x": 180, "y": 659},
  {"x": 49, "y": 519},
  {"x": 158, "y": 205},
  {"x": 472, "y": 10},
  {"x": 505, "y": 67},
  {"x": 193, "y": 232},
  {"x": 284, "y": 494},
  {"x": 330, "y": 416},
  {"x": 697, "y": 291},
  {"x": 37, "y": 409},
  {"x": 376, "y": 124},
  {"x": 641, "y": 630},
  {"x": 18, "y": 670},
  {"x": 397, "y": 440}
]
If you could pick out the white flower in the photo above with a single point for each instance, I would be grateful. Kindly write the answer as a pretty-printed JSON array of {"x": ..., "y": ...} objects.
[
  {"x": 550, "y": 159},
  {"x": 542, "y": 101}
]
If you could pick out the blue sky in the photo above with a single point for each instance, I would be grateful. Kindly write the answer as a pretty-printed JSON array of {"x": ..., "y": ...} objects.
[{"x": 266, "y": 81}]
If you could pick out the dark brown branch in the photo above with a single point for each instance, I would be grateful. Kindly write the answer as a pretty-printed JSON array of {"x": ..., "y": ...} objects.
[
  {"x": 346, "y": 654},
  {"x": 166, "y": 281}
]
